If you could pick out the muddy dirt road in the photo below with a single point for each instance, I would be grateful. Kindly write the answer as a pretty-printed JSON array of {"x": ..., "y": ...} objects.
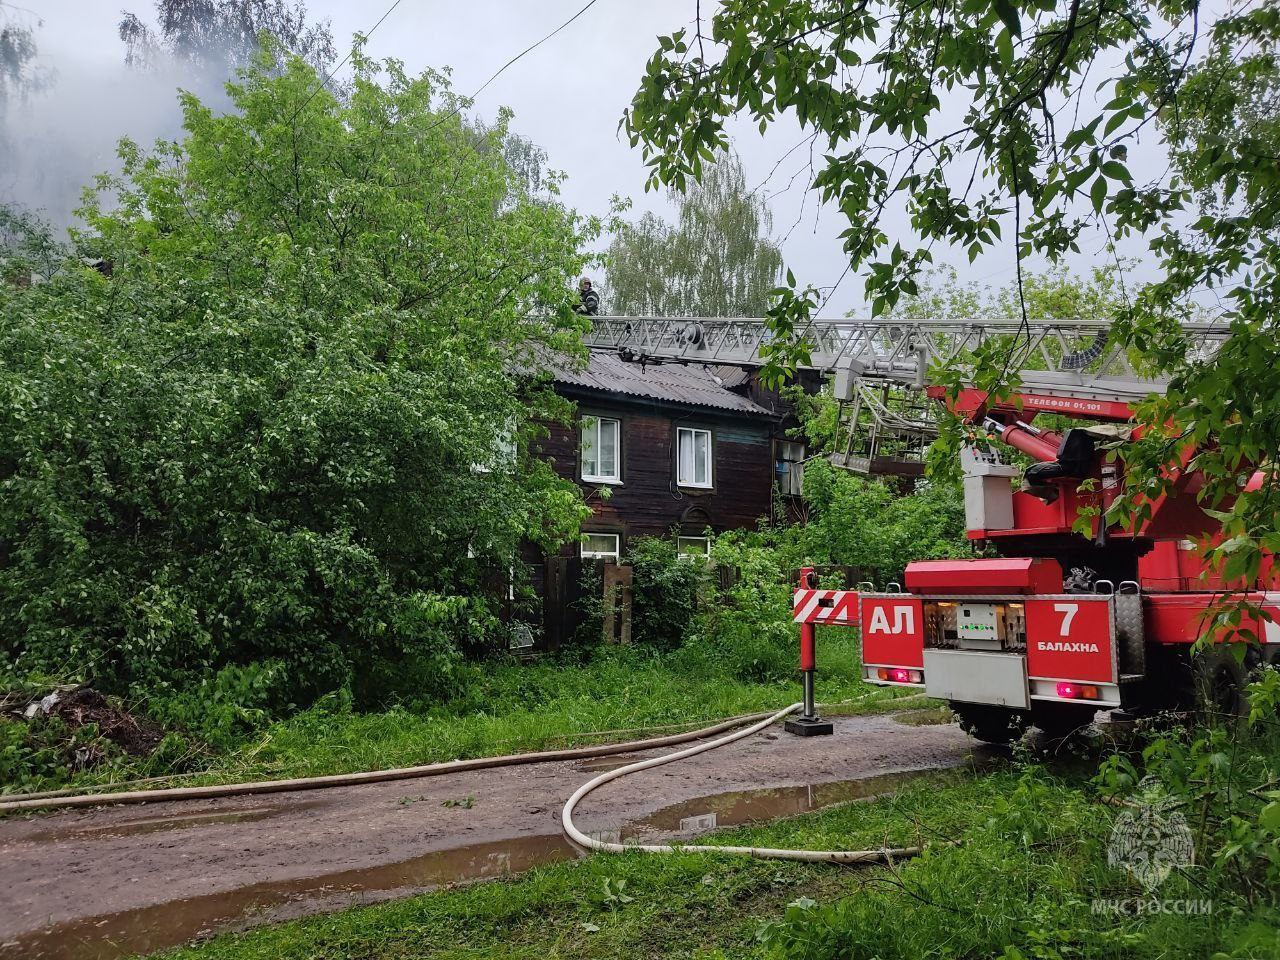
[{"x": 112, "y": 882}]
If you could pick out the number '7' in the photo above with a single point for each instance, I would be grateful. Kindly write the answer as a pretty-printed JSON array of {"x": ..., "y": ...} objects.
[{"x": 1068, "y": 611}]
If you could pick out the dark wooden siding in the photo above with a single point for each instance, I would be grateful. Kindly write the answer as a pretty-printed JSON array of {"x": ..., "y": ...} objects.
[{"x": 648, "y": 501}]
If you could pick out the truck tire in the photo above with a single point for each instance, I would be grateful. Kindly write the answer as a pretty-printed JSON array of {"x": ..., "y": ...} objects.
[
  {"x": 1059, "y": 720},
  {"x": 990, "y": 724},
  {"x": 1219, "y": 683}
]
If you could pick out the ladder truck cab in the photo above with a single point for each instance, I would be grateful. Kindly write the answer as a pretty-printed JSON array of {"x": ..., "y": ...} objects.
[{"x": 1053, "y": 624}]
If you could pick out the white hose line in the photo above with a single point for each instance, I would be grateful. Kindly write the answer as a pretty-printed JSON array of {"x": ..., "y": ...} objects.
[{"x": 763, "y": 853}]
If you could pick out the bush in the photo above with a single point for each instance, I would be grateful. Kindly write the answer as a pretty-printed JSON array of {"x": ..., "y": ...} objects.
[
  {"x": 275, "y": 432},
  {"x": 746, "y": 633},
  {"x": 665, "y": 592},
  {"x": 861, "y": 522},
  {"x": 224, "y": 709}
]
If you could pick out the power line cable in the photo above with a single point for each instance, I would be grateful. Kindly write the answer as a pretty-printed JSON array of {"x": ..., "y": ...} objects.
[
  {"x": 529, "y": 49},
  {"x": 330, "y": 75}
]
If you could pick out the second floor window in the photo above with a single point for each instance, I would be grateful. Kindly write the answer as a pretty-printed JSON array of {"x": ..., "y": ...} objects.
[
  {"x": 600, "y": 460},
  {"x": 693, "y": 457},
  {"x": 791, "y": 468}
]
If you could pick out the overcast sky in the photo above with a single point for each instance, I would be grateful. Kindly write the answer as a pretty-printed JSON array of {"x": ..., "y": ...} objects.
[{"x": 568, "y": 96}]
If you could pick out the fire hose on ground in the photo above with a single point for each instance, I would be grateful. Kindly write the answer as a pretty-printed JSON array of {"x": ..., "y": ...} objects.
[
  {"x": 757, "y": 722},
  {"x": 220, "y": 790},
  {"x": 763, "y": 853}
]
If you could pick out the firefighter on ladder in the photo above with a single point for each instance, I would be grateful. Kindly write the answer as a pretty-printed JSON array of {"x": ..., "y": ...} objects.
[{"x": 588, "y": 300}]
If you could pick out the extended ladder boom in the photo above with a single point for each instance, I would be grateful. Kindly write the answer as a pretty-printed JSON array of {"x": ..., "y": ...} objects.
[{"x": 1052, "y": 357}]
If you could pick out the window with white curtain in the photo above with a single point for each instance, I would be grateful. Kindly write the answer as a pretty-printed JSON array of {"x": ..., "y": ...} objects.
[
  {"x": 601, "y": 546},
  {"x": 601, "y": 460},
  {"x": 693, "y": 457}
]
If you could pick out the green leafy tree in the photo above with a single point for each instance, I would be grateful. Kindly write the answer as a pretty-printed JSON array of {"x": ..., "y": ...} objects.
[
  {"x": 280, "y": 430},
  {"x": 988, "y": 124},
  {"x": 29, "y": 247},
  {"x": 863, "y": 522},
  {"x": 716, "y": 261}
]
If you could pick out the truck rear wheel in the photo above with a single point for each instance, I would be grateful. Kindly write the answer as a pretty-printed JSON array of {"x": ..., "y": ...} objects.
[
  {"x": 1060, "y": 720},
  {"x": 1219, "y": 683},
  {"x": 990, "y": 724}
]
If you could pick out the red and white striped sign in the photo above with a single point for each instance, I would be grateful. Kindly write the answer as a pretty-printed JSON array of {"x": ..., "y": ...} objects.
[{"x": 825, "y": 606}]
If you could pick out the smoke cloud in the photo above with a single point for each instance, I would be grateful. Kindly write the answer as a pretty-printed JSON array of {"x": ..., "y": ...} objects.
[{"x": 55, "y": 140}]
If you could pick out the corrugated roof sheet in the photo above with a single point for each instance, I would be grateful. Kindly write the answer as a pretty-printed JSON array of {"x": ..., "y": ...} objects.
[
  {"x": 731, "y": 376},
  {"x": 673, "y": 382}
]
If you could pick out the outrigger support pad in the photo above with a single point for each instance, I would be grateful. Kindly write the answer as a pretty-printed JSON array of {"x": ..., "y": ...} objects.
[{"x": 809, "y": 727}]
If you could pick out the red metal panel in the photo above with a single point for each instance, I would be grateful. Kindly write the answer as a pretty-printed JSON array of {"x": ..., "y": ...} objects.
[
  {"x": 892, "y": 631},
  {"x": 971, "y": 401},
  {"x": 993, "y": 576},
  {"x": 1184, "y": 617},
  {"x": 1071, "y": 638}
]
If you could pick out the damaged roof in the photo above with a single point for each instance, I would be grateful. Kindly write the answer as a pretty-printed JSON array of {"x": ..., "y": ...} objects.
[{"x": 693, "y": 384}]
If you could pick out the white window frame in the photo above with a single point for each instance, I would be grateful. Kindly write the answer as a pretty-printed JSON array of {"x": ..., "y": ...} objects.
[
  {"x": 795, "y": 468},
  {"x": 615, "y": 554},
  {"x": 704, "y": 554},
  {"x": 504, "y": 453},
  {"x": 596, "y": 421},
  {"x": 689, "y": 479}
]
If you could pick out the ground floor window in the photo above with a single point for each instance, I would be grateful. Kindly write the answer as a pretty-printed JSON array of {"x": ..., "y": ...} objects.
[
  {"x": 601, "y": 546},
  {"x": 694, "y": 547}
]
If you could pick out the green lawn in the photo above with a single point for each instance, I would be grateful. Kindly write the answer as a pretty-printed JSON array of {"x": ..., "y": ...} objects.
[
  {"x": 502, "y": 708},
  {"x": 1019, "y": 887}
]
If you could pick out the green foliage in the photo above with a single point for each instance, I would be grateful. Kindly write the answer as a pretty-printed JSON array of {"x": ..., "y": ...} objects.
[
  {"x": 666, "y": 590},
  {"x": 860, "y": 522},
  {"x": 29, "y": 250},
  {"x": 748, "y": 633},
  {"x": 986, "y": 122},
  {"x": 716, "y": 261},
  {"x": 275, "y": 433},
  {"x": 223, "y": 709}
]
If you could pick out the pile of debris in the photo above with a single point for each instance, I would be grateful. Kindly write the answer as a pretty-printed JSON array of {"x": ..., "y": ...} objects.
[{"x": 79, "y": 706}]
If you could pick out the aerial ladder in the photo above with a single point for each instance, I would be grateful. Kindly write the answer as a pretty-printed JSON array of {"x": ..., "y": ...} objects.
[{"x": 1051, "y": 624}]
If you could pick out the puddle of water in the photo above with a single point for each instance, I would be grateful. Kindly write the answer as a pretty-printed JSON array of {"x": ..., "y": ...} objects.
[
  {"x": 168, "y": 924},
  {"x": 696, "y": 816}
]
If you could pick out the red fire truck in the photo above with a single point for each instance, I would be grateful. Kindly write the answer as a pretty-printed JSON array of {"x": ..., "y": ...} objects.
[{"x": 1054, "y": 624}]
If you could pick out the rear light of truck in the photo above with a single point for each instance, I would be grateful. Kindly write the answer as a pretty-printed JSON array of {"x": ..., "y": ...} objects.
[
  {"x": 1077, "y": 691},
  {"x": 899, "y": 675}
]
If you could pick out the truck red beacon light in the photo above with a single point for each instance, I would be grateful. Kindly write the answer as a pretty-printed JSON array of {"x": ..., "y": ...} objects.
[{"x": 1052, "y": 624}]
